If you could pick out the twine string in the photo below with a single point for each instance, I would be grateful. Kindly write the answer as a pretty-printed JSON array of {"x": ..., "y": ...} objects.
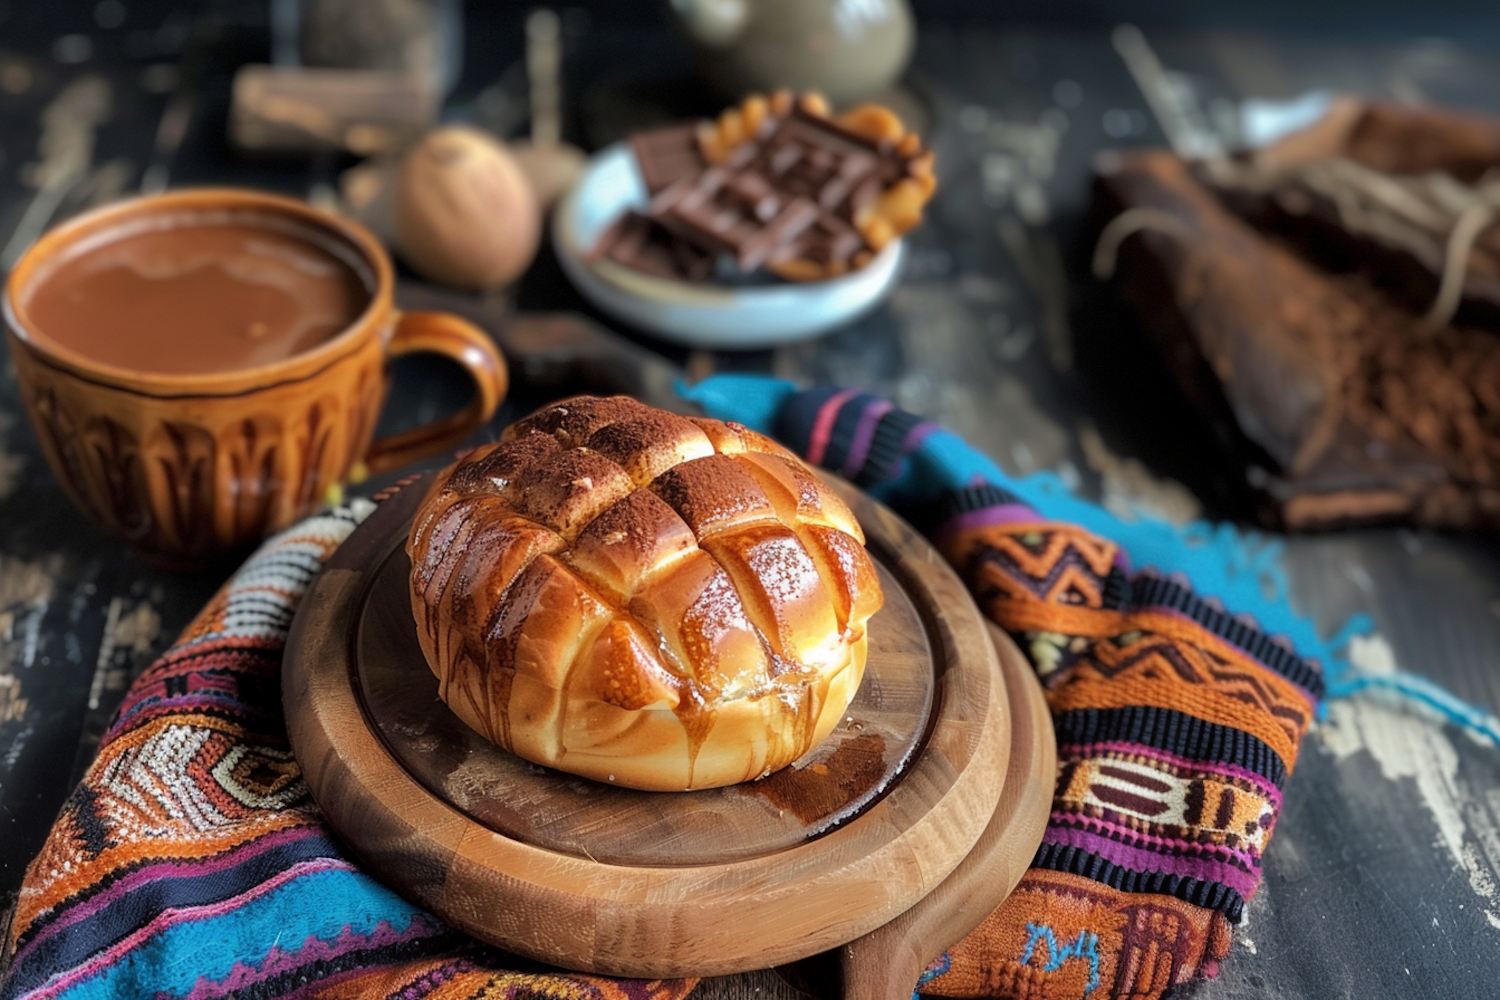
[
  {"x": 1127, "y": 224},
  {"x": 1437, "y": 218}
]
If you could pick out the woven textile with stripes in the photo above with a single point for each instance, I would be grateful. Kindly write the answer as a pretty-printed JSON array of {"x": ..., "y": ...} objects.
[
  {"x": 1177, "y": 725},
  {"x": 192, "y": 863}
]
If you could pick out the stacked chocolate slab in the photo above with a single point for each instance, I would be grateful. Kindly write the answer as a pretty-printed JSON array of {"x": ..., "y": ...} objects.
[{"x": 784, "y": 195}]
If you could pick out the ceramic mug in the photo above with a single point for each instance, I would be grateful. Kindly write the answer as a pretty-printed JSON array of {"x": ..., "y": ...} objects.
[{"x": 188, "y": 467}]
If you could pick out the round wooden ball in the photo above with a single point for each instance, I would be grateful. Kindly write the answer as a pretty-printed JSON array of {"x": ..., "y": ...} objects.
[{"x": 465, "y": 212}]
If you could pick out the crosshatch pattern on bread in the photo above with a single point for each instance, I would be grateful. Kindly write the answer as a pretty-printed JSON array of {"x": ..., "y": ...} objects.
[{"x": 658, "y": 601}]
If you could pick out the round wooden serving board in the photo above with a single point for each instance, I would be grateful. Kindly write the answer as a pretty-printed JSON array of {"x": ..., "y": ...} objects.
[{"x": 923, "y": 772}]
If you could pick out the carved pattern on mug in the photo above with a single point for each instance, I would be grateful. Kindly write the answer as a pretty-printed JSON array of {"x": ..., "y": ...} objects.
[
  {"x": 254, "y": 449},
  {"x": 318, "y": 446},
  {"x": 59, "y": 436},
  {"x": 370, "y": 389},
  {"x": 179, "y": 462},
  {"x": 170, "y": 485},
  {"x": 113, "y": 459}
]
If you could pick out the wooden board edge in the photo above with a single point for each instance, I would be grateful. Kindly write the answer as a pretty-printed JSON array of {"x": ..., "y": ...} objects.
[
  {"x": 447, "y": 864},
  {"x": 887, "y": 963}
]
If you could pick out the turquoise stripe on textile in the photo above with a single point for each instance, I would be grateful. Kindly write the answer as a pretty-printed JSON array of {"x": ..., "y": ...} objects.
[{"x": 325, "y": 905}]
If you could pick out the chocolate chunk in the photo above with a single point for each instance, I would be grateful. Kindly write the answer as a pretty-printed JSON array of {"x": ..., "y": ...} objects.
[
  {"x": 640, "y": 243},
  {"x": 817, "y": 159},
  {"x": 717, "y": 218},
  {"x": 786, "y": 197},
  {"x": 756, "y": 193},
  {"x": 829, "y": 240},
  {"x": 623, "y": 239},
  {"x": 831, "y": 134},
  {"x": 791, "y": 222},
  {"x": 665, "y": 155}
]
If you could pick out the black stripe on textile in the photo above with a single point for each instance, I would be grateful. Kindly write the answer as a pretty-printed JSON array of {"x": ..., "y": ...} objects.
[
  {"x": 935, "y": 513},
  {"x": 1199, "y": 892},
  {"x": 954, "y": 503},
  {"x": 267, "y": 604},
  {"x": 794, "y": 423},
  {"x": 1172, "y": 732},
  {"x": 214, "y": 652},
  {"x": 842, "y": 434},
  {"x": 374, "y": 957},
  {"x": 301, "y": 566},
  {"x": 1158, "y": 592},
  {"x": 885, "y": 452},
  {"x": 1118, "y": 593},
  {"x": 93, "y": 831},
  {"x": 262, "y": 725},
  {"x": 255, "y": 670},
  {"x": 122, "y": 917},
  {"x": 217, "y": 657}
]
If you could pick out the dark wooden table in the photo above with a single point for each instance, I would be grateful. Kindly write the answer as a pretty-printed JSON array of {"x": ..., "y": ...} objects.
[{"x": 1384, "y": 876}]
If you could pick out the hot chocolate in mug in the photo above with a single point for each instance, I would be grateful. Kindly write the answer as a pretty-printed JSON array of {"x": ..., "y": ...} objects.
[{"x": 202, "y": 366}]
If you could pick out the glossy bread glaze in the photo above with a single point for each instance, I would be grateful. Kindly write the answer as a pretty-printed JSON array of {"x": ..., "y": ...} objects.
[{"x": 659, "y": 601}]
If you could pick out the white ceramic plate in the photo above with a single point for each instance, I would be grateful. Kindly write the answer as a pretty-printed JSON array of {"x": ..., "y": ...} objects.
[{"x": 699, "y": 315}]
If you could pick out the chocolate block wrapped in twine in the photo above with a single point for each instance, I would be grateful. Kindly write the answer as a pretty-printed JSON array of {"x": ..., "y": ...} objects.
[
  {"x": 1179, "y": 691},
  {"x": 1339, "y": 288}
]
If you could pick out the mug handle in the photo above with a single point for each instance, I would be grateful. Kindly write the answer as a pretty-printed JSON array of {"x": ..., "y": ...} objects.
[{"x": 471, "y": 347}]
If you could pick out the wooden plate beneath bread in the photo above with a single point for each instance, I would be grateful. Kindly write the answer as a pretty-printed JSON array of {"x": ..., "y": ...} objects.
[{"x": 612, "y": 880}]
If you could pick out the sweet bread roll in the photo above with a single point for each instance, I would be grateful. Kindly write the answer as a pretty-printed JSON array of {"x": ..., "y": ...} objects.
[{"x": 657, "y": 601}]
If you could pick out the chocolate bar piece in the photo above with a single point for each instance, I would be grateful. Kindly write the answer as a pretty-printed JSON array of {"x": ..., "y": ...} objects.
[
  {"x": 816, "y": 159},
  {"x": 666, "y": 155},
  {"x": 774, "y": 184},
  {"x": 829, "y": 241},
  {"x": 642, "y": 244},
  {"x": 738, "y": 214}
]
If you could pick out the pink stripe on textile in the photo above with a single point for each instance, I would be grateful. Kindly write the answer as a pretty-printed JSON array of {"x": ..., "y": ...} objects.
[
  {"x": 817, "y": 441},
  {"x": 187, "y": 914},
  {"x": 917, "y": 435},
  {"x": 1127, "y": 834},
  {"x": 1140, "y": 860},
  {"x": 1207, "y": 768},
  {"x": 864, "y": 434},
  {"x": 163, "y": 869}
]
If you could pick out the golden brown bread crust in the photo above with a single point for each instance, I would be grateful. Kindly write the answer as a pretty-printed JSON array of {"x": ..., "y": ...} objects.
[{"x": 659, "y": 601}]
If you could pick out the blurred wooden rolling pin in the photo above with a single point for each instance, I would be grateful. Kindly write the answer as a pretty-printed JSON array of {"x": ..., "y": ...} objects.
[
  {"x": 550, "y": 165},
  {"x": 304, "y": 109}
]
